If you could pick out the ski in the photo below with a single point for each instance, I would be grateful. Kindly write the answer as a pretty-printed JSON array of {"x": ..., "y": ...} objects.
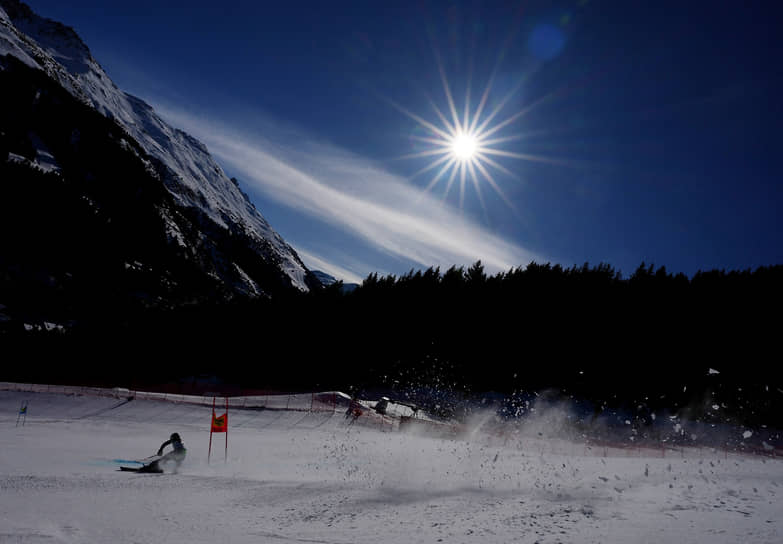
[{"x": 150, "y": 469}]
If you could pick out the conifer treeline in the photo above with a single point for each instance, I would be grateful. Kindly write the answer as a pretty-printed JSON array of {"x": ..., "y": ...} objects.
[
  {"x": 533, "y": 318},
  {"x": 585, "y": 277},
  {"x": 544, "y": 322},
  {"x": 583, "y": 330}
]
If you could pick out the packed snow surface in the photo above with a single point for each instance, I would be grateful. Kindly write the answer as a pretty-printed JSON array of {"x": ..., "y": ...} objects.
[{"x": 316, "y": 477}]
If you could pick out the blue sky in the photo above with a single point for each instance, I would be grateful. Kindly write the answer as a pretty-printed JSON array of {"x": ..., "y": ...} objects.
[{"x": 621, "y": 132}]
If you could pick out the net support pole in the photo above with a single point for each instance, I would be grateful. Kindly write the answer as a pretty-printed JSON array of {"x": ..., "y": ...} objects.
[
  {"x": 225, "y": 458},
  {"x": 209, "y": 453},
  {"x": 21, "y": 411}
]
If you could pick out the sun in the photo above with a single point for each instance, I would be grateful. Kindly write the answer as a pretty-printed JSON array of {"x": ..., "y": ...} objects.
[{"x": 464, "y": 145}]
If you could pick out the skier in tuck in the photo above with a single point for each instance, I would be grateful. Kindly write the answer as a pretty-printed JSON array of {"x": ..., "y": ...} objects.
[
  {"x": 172, "y": 459},
  {"x": 176, "y": 455}
]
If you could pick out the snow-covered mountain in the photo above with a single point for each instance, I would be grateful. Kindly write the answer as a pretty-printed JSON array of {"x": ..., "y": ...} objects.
[
  {"x": 328, "y": 279},
  {"x": 324, "y": 278},
  {"x": 182, "y": 163}
]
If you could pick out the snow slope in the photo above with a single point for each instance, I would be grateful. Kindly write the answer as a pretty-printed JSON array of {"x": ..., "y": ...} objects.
[
  {"x": 185, "y": 166},
  {"x": 311, "y": 477}
]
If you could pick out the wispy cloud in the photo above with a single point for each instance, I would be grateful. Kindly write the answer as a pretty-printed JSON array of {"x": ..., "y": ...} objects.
[{"x": 351, "y": 193}]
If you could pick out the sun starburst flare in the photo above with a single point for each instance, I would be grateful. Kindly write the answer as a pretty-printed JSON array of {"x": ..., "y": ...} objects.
[{"x": 462, "y": 147}]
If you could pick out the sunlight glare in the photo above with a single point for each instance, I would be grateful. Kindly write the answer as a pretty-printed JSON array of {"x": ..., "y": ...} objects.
[{"x": 463, "y": 146}]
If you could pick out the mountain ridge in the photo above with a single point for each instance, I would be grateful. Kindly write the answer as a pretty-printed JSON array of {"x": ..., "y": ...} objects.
[
  {"x": 183, "y": 163},
  {"x": 327, "y": 279}
]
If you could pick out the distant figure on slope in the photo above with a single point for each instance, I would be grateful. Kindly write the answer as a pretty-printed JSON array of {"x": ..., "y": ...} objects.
[
  {"x": 354, "y": 409},
  {"x": 382, "y": 405}
]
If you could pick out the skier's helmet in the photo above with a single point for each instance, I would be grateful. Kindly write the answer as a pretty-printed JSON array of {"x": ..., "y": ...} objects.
[{"x": 175, "y": 436}]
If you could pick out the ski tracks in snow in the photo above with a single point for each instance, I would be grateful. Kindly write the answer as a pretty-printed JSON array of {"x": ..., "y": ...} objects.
[{"x": 335, "y": 484}]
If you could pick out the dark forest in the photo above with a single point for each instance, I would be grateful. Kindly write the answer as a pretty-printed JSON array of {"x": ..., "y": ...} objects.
[{"x": 583, "y": 332}]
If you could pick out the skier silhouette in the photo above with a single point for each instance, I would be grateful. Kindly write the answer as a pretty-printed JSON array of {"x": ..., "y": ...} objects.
[{"x": 174, "y": 457}]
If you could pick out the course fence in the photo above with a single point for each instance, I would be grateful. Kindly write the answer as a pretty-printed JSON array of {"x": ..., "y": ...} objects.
[
  {"x": 336, "y": 402},
  {"x": 305, "y": 402},
  {"x": 325, "y": 402}
]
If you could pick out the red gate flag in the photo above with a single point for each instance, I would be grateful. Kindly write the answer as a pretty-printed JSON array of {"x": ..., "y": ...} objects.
[{"x": 219, "y": 423}]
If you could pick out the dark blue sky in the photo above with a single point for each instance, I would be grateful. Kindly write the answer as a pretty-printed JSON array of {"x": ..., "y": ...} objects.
[{"x": 659, "y": 123}]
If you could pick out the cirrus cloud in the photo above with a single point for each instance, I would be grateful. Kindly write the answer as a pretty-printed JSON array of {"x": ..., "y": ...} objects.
[{"x": 351, "y": 193}]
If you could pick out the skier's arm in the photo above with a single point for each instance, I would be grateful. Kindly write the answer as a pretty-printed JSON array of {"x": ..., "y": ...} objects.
[{"x": 166, "y": 443}]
